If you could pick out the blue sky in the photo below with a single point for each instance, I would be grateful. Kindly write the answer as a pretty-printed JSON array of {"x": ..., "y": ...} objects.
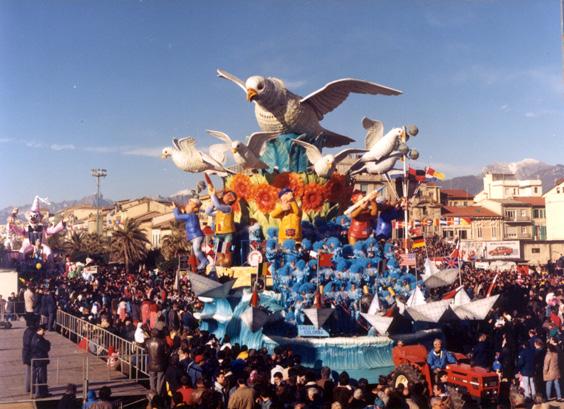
[{"x": 107, "y": 84}]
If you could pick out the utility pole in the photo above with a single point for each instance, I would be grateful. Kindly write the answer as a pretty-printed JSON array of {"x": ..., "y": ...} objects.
[{"x": 98, "y": 173}]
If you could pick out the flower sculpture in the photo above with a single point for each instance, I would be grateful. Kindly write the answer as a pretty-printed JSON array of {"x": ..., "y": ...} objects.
[
  {"x": 241, "y": 184},
  {"x": 292, "y": 180},
  {"x": 265, "y": 197},
  {"x": 313, "y": 197}
]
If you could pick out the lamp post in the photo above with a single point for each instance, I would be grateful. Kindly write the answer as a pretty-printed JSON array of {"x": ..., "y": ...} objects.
[
  {"x": 98, "y": 173},
  {"x": 410, "y": 130}
]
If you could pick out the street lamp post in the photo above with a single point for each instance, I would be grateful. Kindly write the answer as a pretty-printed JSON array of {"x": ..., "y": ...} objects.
[{"x": 98, "y": 173}]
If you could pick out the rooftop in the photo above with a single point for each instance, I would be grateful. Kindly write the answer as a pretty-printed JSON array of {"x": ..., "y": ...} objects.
[
  {"x": 457, "y": 194},
  {"x": 531, "y": 200},
  {"x": 468, "y": 211}
]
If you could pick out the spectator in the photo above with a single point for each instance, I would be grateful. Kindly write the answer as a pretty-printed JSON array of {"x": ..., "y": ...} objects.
[
  {"x": 29, "y": 333},
  {"x": 343, "y": 392},
  {"x": 551, "y": 370},
  {"x": 243, "y": 397},
  {"x": 104, "y": 399},
  {"x": 438, "y": 358},
  {"x": 526, "y": 367},
  {"x": 90, "y": 399},
  {"x": 481, "y": 354},
  {"x": 157, "y": 360},
  {"x": 39, "y": 360},
  {"x": 69, "y": 400}
]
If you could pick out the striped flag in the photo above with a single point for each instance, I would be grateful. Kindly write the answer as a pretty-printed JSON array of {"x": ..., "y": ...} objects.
[
  {"x": 431, "y": 173},
  {"x": 418, "y": 242},
  {"x": 492, "y": 286}
]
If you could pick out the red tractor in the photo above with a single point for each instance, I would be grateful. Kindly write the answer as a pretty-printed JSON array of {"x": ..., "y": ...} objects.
[{"x": 467, "y": 384}]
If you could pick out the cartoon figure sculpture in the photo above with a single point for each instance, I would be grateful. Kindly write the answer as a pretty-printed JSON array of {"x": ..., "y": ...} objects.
[
  {"x": 194, "y": 233},
  {"x": 222, "y": 211},
  {"x": 362, "y": 217},
  {"x": 37, "y": 232},
  {"x": 12, "y": 230},
  {"x": 290, "y": 216}
]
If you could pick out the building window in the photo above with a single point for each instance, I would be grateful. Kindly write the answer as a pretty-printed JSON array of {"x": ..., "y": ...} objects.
[
  {"x": 538, "y": 213},
  {"x": 463, "y": 234},
  {"x": 494, "y": 232},
  {"x": 510, "y": 214},
  {"x": 479, "y": 232},
  {"x": 523, "y": 230},
  {"x": 523, "y": 213},
  {"x": 536, "y": 189},
  {"x": 535, "y": 250}
]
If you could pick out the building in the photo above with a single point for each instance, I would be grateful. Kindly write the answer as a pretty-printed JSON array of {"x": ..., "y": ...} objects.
[
  {"x": 538, "y": 215},
  {"x": 456, "y": 197},
  {"x": 425, "y": 209},
  {"x": 554, "y": 202},
  {"x": 506, "y": 185},
  {"x": 471, "y": 223}
]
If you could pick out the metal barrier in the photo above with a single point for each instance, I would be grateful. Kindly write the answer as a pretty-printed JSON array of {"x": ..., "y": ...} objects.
[
  {"x": 11, "y": 310},
  {"x": 132, "y": 358}
]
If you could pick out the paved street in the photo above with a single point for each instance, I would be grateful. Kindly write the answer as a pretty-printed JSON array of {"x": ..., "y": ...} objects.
[{"x": 67, "y": 366}]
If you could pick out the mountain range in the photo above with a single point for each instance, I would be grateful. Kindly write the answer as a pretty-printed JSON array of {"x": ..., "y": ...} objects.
[
  {"x": 524, "y": 169},
  {"x": 473, "y": 184}
]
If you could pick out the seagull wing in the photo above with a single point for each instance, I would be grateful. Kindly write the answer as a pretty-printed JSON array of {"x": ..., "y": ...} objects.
[
  {"x": 346, "y": 152},
  {"x": 312, "y": 152},
  {"x": 257, "y": 141},
  {"x": 217, "y": 166},
  {"x": 184, "y": 144},
  {"x": 375, "y": 131},
  {"x": 333, "y": 94},
  {"x": 225, "y": 75},
  {"x": 220, "y": 135},
  {"x": 217, "y": 151}
]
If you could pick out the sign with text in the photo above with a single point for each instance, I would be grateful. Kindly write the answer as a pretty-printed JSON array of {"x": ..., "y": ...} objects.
[
  {"x": 309, "y": 331},
  {"x": 502, "y": 250}
]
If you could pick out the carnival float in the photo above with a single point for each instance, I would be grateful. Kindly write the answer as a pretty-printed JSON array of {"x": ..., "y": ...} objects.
[{"x": 323, "y": 268}]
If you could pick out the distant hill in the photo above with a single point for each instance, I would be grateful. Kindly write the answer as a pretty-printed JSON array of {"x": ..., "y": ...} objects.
[
  {"x": 525, "y": 169},
  {"x": 56, "y": 206}
]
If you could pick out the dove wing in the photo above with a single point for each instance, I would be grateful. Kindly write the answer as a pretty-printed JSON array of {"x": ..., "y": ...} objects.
[
  {"x": 257, "y": 141},
  {"x": 329, "y": 97},
  {"x": 220, "y": 135},
  {"x": 213, "y": 162},
  {"x": 184, "y": 144},
  {"x": 346, "y": 152},
  {"x": 375, "y": 131},
  {"x": 225, "y": 75},
  {"x": 217, "y": 151},
  {"x": 312, "y": 152}
]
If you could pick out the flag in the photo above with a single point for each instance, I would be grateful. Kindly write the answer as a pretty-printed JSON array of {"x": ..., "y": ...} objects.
[
  {"x": 429, "y": 222},
  {"x": 416, "y": 231},
  {"x": 457, "y": 221},
  {"x": 408, "y": 260},
  {"x": 452, "y": 293},
  {"x": 417, "y": 222},
  {"x": 325, "y": 260},
  {"x": 431, "y": 173},
  {"x": 417, "y": 174},
  {"x": 492, "y": 286},
  {"x": 418, "y": 242},
  {"x": 450, "y": 262}
]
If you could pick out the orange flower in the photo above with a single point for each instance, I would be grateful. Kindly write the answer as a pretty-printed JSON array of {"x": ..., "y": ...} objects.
[
  {"x": 338, "y": 189},
  {"x": 241, "y": 185},
  {"x": 265, "y": 196},
  {"x": 291, "y": 180},
  {"x": 314, "y": 196}
]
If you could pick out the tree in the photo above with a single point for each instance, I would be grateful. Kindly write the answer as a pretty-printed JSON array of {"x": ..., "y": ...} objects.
[
  {"x": 75, "y": 246},
  {"x": 129, "y": 243},
  {"x": 174, "y": 243}
]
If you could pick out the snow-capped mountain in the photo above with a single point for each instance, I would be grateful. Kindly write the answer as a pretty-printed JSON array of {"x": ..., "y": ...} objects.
[{"x": 524, "y": 169}]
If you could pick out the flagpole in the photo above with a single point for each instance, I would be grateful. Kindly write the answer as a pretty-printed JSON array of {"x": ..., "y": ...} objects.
[{"x": 405, "y": 190}]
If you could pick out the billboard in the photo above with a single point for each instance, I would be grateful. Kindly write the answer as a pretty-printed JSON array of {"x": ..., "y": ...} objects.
[
  {"x": 502, "y": 250},
  {"x": 472, "y": 250}
]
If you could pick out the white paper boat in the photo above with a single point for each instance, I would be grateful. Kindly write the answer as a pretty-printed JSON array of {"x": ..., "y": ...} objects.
[
  {"x": 379, "y": 322},
  {"x": 205, "y": 287},
  {"x": 318, "y": 316},
  {"x": 429, "y": 312},
  {"x": 435, "y": 277},
  {"x": 474, "y": 310},
  {"x": 254, "y": 318},
  {"x": 374, "y": 305}
]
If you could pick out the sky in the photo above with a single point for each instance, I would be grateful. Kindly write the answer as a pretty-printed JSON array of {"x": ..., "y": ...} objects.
[{"x": 108, "y": 84}]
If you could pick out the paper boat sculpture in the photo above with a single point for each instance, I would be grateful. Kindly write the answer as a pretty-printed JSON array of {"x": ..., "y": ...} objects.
[
  {"x": 466, "y": 309},
  {"x": 416, "y": 298},
  {"x": 255, "y": 318},
  {"x": 205, "y": 287},
  {"x": 435, "y": 277},
  {"x": 318, "y": 315},
  {"x": 379, "y": 322},
  {"x": 430, "y": 311}
]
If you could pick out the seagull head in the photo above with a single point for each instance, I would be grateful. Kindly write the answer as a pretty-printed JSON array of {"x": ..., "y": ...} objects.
[
  {"x": 257, "y": 87},
  {"x": 166, "y": 153},
  {"x": 236, "y": 146}
]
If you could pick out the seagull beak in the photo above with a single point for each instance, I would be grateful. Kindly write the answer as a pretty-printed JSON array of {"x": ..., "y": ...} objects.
[
  {"x": 251, "y": 94},
  {"x": 234, "y": 150},
  {"x": 163, "y": 156}
]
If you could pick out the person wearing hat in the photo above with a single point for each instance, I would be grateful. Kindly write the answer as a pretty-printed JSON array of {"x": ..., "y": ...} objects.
[
  {"x": 362, "y": 218},
  {"x": 194, "y": 233},
  {"x": 39, "y": 358},
  {"x": 29, "y": 333},
  {"x": 224, "y": 222},
  {"x": 290, "y": 216}
]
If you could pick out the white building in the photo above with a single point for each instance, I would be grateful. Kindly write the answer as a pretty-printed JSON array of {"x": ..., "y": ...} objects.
[
  {"x": 554, "y": 202},
  {"x": 506, "y": 185}
]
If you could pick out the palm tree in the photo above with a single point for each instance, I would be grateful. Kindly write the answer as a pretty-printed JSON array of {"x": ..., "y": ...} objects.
[
  {"x": 75, "y": 245},
  {"x": 174, "y": 243},
  {"x": 129, "y": 243}
]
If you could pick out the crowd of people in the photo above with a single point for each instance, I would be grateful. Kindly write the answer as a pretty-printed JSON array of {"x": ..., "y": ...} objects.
[{"x": 521, "y": 339}]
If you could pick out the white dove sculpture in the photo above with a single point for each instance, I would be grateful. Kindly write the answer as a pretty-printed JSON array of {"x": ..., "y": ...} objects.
[
  {"x": 377, "y": 145},
  {"x": 279, "y": 110},
  {"x": 379, "y": 167},
  {"x": 188, "y": 158},
  {"x": 248, "y": 156},
  {"x": 324, "y": 165}
]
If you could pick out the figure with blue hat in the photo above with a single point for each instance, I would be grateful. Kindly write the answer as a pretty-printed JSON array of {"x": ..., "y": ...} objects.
[{"x": 290, "y": 215}]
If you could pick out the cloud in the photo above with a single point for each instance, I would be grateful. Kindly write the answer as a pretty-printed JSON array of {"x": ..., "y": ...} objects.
[
  {"x": 64, "y": 147},
  {"x": 6, "y": 140},
  {"x": 149, "y": 152},
  {"x": 34, "y": 144},
  {"x": 505, "y": 108}
]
